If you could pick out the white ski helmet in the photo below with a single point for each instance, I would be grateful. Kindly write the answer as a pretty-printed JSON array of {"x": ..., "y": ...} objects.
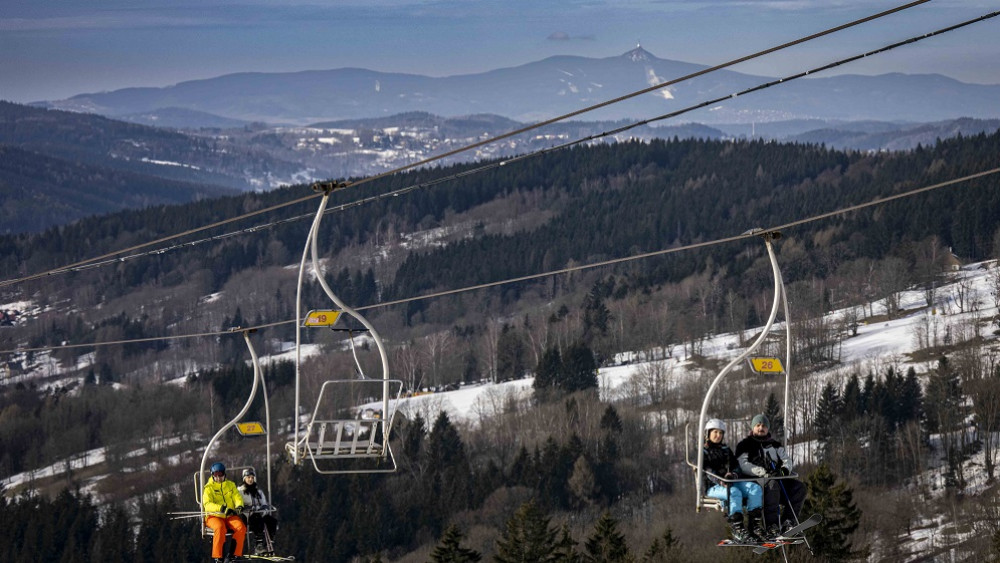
[{"x": 715, "y": 424}]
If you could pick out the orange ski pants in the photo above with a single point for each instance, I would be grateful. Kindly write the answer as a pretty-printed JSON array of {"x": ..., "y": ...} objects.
[{"x": 218, "y": 526}]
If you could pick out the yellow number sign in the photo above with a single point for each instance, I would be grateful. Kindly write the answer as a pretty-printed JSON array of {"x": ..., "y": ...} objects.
[
  {"x": 321, "y": 318},
  {"x": 766, "y": 365},
  {"x": 250, "y": 428}
]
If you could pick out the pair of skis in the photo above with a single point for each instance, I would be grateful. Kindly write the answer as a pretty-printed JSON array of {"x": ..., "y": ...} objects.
[
  {"x": 266, "y": 558},
  {"x": 791, "y": 536},
  {"x": 270, "y": 557}
]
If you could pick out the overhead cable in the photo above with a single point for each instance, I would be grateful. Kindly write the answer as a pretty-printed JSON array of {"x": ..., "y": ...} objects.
[{"x": 582, "y": 267}]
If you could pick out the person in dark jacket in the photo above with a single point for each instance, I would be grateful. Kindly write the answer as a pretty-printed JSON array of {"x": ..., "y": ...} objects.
[
  {"x": 721, "y": 462},
  {"x": 260, "y": 513},
  {"x": 760, "y": 455}
]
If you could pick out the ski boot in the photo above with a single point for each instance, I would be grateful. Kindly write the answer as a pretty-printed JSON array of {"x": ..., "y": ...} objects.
[
  {"x": 739, "y": 532},
  {"x": 757, "y": 528}
]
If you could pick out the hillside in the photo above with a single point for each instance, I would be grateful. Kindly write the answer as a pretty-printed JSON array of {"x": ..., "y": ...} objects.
[
  {"x": 39, "y": 192},
  {"x": 141, "y": 409},
  {"x": 138, "y": 149}
]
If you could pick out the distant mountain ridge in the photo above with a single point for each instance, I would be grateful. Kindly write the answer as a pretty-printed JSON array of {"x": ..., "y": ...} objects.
[{"x": 551, "y": 87}]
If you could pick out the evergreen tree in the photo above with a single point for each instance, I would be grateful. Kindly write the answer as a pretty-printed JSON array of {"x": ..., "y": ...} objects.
[
  {"x": 450, "y": 549},
  {"x": 596, "y": 315},
  {"x": 565, "y": 548},
  {"x": 510, "y": 354},
  {"x": 548, "y": 370},
  {"x": 579, "y": 370},
  {"x": 606, "y": 544},
  {"x": 113, "y": 540},
  {"x": 851, "y": 399},
  {"x": 944, "y": 398},
  {"x": 834, "y": 500},
  {"x": 911, "y": 399},
  {"x": 772, "y": 409},
  {"x": 610, "y": 420},
  {"x": 664, "y": 549},
  {"x": 827, "y": 412},
  {"x": 413, "y": 438},
  {"x": 527, "y": 537},
  {"x": 450, "y": 473}
]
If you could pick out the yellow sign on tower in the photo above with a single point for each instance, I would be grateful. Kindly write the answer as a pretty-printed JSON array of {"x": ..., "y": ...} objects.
[
  {"x": 321, "y": 318},
  {"x": 250, "y": 428},
  {"x": 766, "y": 365}
]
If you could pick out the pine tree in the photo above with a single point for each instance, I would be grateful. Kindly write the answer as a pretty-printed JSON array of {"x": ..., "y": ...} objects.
[
  {"x": 548, "y": 370},
  {"x": 851, "y": 399},
  {"x": 827, "y": 412},
  {"x": 835, "y": 502},
  {"x": 610, "y": 420},
  {"x": 565, "y": 548},
  {"x": 579, "y": 369},
  {"x": 606, "y": 544},
  {"x": 450, "y": 549},
  {"x": 772, "y": 409},
  {"x": 527, "y": 537},
  {"x": 911, "y": 399},
  {"x": 664, "y": 549}
]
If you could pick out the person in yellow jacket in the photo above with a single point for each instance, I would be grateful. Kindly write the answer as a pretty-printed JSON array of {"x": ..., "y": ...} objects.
[{"x": 223, "y": 503}]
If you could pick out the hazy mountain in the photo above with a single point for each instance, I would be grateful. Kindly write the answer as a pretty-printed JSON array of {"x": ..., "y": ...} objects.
[
  {"x": 179, "y": 118},
  {"x": 550, "y": 87}
]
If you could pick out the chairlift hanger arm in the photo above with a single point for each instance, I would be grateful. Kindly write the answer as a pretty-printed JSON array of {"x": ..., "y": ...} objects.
[
  {"x": 778, "y": 297},
  {"x": 243, "y": 411}
]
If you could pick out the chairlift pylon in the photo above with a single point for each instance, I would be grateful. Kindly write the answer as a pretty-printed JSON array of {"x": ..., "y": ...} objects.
[
  {"x": 340, "y": 436},
  {"x": 201, "y": 477},
  {"x": 779, "y": 299}
]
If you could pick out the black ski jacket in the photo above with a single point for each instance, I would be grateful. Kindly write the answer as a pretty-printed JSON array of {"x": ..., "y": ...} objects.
[
  {"x": 760, "y": 456},
  {"x": 718, "y": 459}
]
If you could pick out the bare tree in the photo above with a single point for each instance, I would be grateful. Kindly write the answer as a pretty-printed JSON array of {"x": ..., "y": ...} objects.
[
  {"x": 892, "y": 278},
  {"x": 436, "y": 346},
  {"x": 537, "y": 332},
  {"x": 983, "y": 387},
  {"x": 964, "y": 294},
  {"x": 410, "y": 367},
  {"x": 653, "y": 380},
  {"x": 994, "y": 283},
  {"x": 491, "y": 341}
]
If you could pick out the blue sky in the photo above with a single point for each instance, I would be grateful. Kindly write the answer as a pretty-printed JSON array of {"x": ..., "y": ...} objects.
[{"x": 53, "y": 49}]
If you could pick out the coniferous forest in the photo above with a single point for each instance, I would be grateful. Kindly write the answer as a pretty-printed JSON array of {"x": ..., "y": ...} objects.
[{"x": 570, "y": 473}]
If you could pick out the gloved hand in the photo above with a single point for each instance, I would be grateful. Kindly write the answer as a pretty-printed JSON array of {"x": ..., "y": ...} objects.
[
  {"x": 778, "y": 472},
  {"x": 230, "y": 512},
  {"x": 239, "y": 510}
]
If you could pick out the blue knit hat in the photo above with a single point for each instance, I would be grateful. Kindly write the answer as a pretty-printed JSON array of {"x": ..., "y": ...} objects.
[{"x": 760, "y": 419}]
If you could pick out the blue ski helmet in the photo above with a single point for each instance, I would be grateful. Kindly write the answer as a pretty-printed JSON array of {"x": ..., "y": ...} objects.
[{"x": 218, "y": 468}]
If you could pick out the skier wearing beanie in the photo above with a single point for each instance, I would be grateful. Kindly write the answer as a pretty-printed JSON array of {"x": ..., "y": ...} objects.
[{"x": 760, "y": 455}]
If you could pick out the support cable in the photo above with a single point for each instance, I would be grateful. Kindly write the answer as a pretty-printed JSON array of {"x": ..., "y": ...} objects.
[{"x": 662, "y": 252}]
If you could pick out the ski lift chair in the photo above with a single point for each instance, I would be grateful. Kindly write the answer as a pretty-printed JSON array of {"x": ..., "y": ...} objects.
[{"x": 348, "y": 438}]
